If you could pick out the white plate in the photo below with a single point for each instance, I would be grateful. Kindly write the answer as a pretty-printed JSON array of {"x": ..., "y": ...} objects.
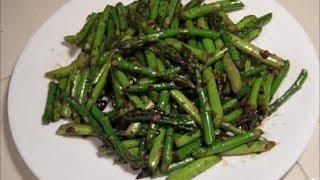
[{"x": 54, "y": 157}]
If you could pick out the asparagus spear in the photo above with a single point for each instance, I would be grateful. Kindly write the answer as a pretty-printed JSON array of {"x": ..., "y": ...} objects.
[
  {"x": 167, "y": 150},
  {"x": 279, "y": 78},
  {"x": 80, "y": 62},
  {"x": 46, "y": 117},
  {"x": 203, "y": 10},
  {"x": 84, "y": 31},
  {"x": 75, "y": 129},
  {"x": 95, "y": 53},
  {"x": 168, "y": 33},
  {"x": 214, "y": 99},
  {"x": 232, "y": 73},
  {"x": 186, "y": 105},
  {"x": 257, "y": 147},
  {"x": 194, "y": 168},
  {"x": 292, "y": 90},
  {"x": 205, "y": 109},
  {"x": 230, "y": 143},
  {"x": 261, "y": 55}
]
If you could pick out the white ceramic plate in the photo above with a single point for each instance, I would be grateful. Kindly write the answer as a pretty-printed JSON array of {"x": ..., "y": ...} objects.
[{"x": 54, "y": 157}]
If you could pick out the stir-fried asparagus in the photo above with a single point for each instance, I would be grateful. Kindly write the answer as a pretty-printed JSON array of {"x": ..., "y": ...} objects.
[{"x": 184, "y": 83}]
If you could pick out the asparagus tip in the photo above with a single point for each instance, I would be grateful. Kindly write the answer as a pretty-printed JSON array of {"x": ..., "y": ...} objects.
[
  {"x": 269, "y": 145},
  {"x": 70, "y": 38},
  {"x": 258, "y": 132}
]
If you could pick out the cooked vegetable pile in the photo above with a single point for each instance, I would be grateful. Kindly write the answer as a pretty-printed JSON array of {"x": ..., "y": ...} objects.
[{"x": 184, "y": 83}]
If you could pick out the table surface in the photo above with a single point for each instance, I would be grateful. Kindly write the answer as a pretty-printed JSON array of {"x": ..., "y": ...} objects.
[{"x": 20, "y": 19}]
